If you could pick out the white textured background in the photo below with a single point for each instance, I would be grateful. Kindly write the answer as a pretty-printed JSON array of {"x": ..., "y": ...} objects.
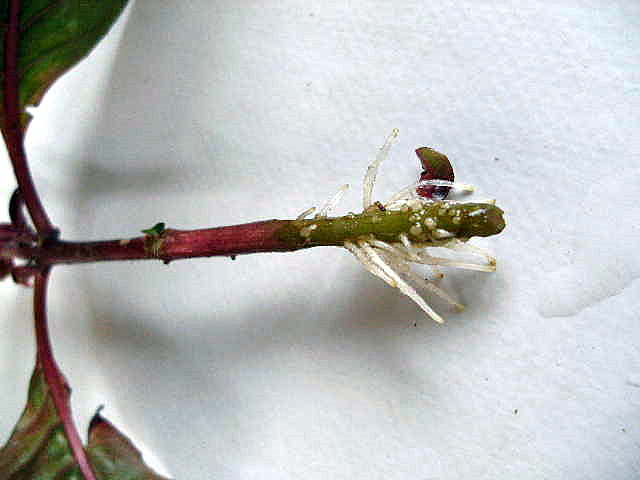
[{"x": 288, "y": 366}]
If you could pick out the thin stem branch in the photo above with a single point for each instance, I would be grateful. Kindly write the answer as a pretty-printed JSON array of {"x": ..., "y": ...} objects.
[
  {"x": 16, "y": 214},
  {"x": 56, "y": 382},
  {"x": 13, "y": 130}
]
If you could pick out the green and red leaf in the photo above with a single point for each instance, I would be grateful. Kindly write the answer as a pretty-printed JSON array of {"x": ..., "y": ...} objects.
[
  {"x": 52, "y": 36},
  {"x": 38, "y": 447}
]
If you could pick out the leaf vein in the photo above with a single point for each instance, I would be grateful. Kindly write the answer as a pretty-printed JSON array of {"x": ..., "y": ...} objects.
[{"x": 40, "y": 14}]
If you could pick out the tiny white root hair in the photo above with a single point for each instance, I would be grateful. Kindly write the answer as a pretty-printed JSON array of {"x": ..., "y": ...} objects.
[
  {"x": 306, "y": 213},
  {"x": 410, "y": 292},
  {"x": 412, "y": 253},
  {"x": 333, "y": 201},
  {"x": 378, "y": 261},
  {"x": 477, "y": 267},
  {"x": 465, "y": 187},
  {"x": 372, "y": 170},
  {"x": 466, "y": 247},
  {"x": 440, "y": 233},
  {"x": 432, "y": 287},
  {"x": 402, "y": 285},
  {"x": 409, "y": 192},
  {"x": 401, "y": 253},
  {"x": 389, "y": 247},
  {"x": 368, "y": 264},
  {"x": 401, "y": 265},
  {"x": 403, "y": 195},
  {"x": 427, "y": 259},
  {"x": 411, "y": 250},
  {"x": 424, "y": 258}
]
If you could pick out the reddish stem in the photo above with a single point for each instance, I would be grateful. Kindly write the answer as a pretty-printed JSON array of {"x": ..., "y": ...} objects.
[
  {"x": 172, "y": 245},
  {"x": 13, "y": 130},
  {"x": 24, "y": 275},
  {"x": 58, "y": 387},
  {"x": 16, "y": 203},
  {"x": 19, "y": 222}
]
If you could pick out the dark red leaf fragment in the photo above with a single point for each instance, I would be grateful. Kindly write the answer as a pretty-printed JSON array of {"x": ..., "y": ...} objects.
[{"x": 435, "y": 166}]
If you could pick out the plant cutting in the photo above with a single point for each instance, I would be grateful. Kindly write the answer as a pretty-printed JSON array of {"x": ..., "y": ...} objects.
[{"x": 43, "y": 40}]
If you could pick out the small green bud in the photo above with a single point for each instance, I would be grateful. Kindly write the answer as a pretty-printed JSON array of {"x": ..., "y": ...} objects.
[{"x": 156, "y": 231}]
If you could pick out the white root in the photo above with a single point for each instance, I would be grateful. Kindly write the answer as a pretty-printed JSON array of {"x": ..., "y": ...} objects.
[
  {"x": 466, "y": 247},
  {"x": 333, "y": 201},
  {"x": 372, "y": 170},
  {"x": 427, "y": 259},
  {"x": 390, "y": 261},
  {"x": 411, "y": 250},
  {"x": 306, "y": 213},
  {"x": 440, "y": 233},
  {"x": 409, "y": 192},
  {"x": 403, "y": 195},
  {"x": 424, "y": 258},
  {"x": 465, "y": 187},
  {"x": 390, "y": 247},
  {"x": 378, "y": 261},
  {"x": 402, "y": 285},
  {"x": 423, "y": 282},
  {"x": 412, "y": 253},
  {"x": 368, "y": 264}
]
